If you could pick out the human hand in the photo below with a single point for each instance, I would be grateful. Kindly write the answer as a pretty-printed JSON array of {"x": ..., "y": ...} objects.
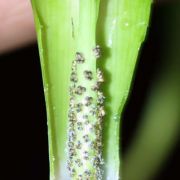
[{"x": 17, "y": 26}]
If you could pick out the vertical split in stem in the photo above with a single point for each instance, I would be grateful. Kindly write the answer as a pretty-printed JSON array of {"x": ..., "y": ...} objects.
[{"x": 86, "y": 109}]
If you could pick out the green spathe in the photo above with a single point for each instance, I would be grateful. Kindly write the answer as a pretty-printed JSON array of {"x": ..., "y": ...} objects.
[{"x": 61, "y": 29}]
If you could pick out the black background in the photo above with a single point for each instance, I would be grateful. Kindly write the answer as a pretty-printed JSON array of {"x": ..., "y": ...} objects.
[{"x": 23, "y": 116}]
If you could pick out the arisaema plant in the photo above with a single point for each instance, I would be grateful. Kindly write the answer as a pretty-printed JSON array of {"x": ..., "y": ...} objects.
[{"x": 88, "y": 51}]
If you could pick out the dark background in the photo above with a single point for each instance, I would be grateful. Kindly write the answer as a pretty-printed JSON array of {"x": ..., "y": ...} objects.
[{"x": 23, "y": 116}]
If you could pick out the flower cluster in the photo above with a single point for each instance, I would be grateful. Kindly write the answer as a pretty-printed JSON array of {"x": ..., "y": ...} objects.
[{"x": 86, "y": 112}]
